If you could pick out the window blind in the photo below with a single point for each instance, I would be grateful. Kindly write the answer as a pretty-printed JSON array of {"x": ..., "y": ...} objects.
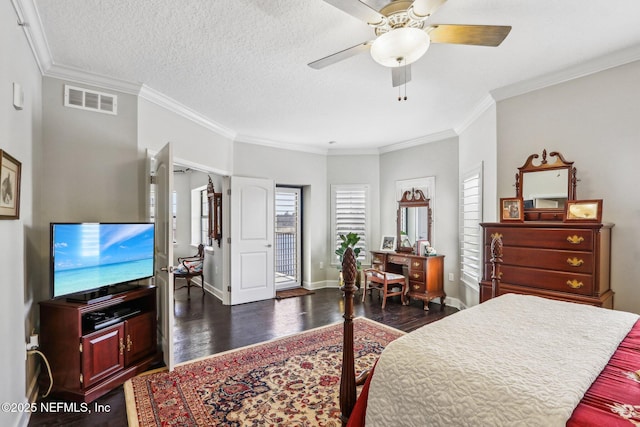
[
  {"x": 470, "y": 235},
  {"x": 349, "y": 206}
]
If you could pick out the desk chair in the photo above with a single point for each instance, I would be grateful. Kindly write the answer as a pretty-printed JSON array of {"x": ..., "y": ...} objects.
[
  {"x": 384, "y": 282},
  {"x": 189, "y": 268}
]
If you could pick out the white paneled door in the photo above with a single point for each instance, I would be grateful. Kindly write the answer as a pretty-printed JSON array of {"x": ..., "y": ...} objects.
[
  {"x": 252, "y": 238},
  {"x": 163, "y": 165}
]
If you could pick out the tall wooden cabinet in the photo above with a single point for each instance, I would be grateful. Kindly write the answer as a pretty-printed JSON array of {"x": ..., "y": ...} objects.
[
  {"x": 425, "y": 273},
  {"x": 564, "y": 261},
  {"x": 93, "y": 348}
]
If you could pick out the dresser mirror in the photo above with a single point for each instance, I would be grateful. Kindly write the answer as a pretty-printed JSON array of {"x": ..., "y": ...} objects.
[
  {"x": 414, "y": 220},
  {"x": 545, "y": 185}
]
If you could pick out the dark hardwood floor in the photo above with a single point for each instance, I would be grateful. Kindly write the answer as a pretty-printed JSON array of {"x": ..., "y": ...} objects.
[{"x": 204, "y": 326}]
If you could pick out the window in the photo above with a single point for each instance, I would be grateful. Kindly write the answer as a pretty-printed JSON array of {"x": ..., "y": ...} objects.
[
  {"x": 204, "y": 218},
  {"x": 470, "y": 233},
  {"x": 288, "y": 246},
  {"x": 200, "y": 217},
  {"x": 349, "y": 207}
]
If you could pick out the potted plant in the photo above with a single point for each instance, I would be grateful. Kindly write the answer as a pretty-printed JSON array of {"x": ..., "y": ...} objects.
[{"x": 350, "y": 240}]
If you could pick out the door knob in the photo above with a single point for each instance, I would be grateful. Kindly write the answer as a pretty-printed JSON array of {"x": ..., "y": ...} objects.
[{"x": 268, "y": 245}]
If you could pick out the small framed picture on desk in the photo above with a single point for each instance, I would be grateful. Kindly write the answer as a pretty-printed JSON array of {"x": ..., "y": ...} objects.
[{"x": 388, "y": 243}]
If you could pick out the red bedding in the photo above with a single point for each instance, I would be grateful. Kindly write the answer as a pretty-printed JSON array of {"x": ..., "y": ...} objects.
[{"x": 612, "y": 400}]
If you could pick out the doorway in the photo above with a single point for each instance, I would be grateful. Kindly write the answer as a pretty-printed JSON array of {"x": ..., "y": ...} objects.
[{"x": 288, "y": 237}]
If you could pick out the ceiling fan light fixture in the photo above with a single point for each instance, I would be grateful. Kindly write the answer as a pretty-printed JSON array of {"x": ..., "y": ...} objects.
[{"x": 400, "y": 46}]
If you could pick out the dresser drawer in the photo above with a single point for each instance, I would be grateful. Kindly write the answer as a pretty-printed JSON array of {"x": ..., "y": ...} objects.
[
  {"x": 417, "y": 287},
  {"x": 377, "y": 259},
  {"x": 399, "y": 259},
  {"x": 416, "y": 264},
  {"x": 566, "y": 238},
  {"x": 574, "y": 283},
  {"x": 550, "y": 259},
  {"x": 416, "y": 275}
]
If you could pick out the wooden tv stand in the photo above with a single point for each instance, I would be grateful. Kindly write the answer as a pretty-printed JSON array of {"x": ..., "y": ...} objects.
[{"x": 90, "y": 353}]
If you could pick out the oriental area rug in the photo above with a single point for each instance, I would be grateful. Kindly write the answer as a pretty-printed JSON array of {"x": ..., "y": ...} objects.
[{"x": 290, "y": 381}]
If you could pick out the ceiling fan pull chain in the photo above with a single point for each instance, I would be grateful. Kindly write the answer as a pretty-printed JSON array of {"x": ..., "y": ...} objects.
[{"x": 405, "y": 83}]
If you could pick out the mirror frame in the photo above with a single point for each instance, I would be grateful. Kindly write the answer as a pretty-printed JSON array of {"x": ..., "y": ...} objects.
[
  {"x": 214, "y": 201},
  {"x": 546, "y": 214},
  {"x": 413, "y": 198}
]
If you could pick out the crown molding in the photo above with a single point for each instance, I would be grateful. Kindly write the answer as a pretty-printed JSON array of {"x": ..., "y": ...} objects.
[
  {"x": 614, "y": 59},
  {"x": 439, "y": 136},
  {"x": 353, "y": 152},
  {"x": 281, "y": 145},
  {"x": 76, "y": 75},
  {"x": 174, "y": 106},
  {"x": 486, "y": 103},
  {"x": 29, "y": 19}
]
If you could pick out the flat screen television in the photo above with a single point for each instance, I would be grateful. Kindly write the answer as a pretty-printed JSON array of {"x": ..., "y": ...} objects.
[{"x": 91, "y": 261}]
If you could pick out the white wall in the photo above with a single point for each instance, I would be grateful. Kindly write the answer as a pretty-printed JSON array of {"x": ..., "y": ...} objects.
[
  {"x": 191, "y": 142},
  {"x": 20, "y": 134},
  {"x": 295, "y": 168},
  {"x": 183, "y": 183},
  {"x": 593, "y": 121},
  {"x": 439, "y": 159},
  {"x": 91, "y": 169},
  {"x": 478, "y": 145}
]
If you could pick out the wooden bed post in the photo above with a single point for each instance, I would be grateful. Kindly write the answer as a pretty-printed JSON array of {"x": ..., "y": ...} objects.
[
  {"x": 496, "y": 260},
  {"x": 348, "y": 379}
]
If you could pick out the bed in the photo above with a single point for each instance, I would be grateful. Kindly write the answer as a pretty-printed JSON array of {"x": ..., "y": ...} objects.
[{"x": 513, "y": 360}]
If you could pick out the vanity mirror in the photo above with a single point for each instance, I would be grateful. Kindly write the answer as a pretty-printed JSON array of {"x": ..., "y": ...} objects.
[
  {"x": 545, "y": 186},
  {"x": 414, "y": 220},
  {"x": 214, "y": 204}
]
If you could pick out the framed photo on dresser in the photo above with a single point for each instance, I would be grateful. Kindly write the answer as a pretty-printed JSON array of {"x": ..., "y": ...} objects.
[
  {"x": 511, "y": 209},
  {"x": 583, "y": 211}
]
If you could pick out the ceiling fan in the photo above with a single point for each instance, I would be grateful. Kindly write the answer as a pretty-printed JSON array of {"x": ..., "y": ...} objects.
[{"x": 403, "y": 35}]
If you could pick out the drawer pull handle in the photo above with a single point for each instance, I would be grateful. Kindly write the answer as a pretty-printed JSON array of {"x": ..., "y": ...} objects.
[
  {"x": 574, "y": 284},
  {"x": 416, "y": 276},
  {"x": 416, "y": 286},
  {"x": 129, "y": 343},
  {"x": 576, "y": 240},
  {"x": 121, "y": 346},
  {"x": 575, "y": 262},
  {"x": 416, "y": 264}
]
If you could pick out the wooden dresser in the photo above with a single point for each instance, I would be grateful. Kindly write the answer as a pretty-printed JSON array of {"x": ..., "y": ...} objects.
[
  {"x": 556, "y": 260},
  {"x": 426, "y": 273}
]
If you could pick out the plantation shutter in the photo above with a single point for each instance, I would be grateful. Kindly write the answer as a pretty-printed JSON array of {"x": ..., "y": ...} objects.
[
  {"x": 470, "y": 234},
  {"x": 350, "y": 205}
]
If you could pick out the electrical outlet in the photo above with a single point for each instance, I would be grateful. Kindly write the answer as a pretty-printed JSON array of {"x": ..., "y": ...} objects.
[
  {"x": 33, "y": 342},
  {"x": 321, "y": 265},
  {"x": 451, "y": 279}
]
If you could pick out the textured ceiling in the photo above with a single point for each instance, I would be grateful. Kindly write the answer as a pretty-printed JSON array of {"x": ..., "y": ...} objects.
[{"x": 243, "y": 63}]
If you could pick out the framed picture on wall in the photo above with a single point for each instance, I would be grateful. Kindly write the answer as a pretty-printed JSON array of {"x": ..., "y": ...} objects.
[
  {"x": 9, "y": 186},
  {"x": 511, "y": 209},
  {"x": 583, "y": 211}
]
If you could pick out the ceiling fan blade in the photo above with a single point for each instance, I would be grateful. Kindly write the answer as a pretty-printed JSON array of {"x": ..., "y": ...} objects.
[
  {"x": 339, "y": 56},
  {"x": 358, "y": 10},
  {"x": 401, "y": 75},
  {"x": 477, "y": 35},
  {"x": 426, "y": 7}
]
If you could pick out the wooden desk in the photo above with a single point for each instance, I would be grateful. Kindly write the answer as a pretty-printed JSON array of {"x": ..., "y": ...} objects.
[{"x": 426, "y": 273}]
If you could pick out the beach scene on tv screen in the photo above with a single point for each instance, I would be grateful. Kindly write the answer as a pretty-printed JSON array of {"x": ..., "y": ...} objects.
[{"x": 89, "y": 256}]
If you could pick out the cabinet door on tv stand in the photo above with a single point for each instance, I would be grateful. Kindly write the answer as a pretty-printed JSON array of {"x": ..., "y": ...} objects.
[
  {"x": 140, "y": 337},
  {"x": 102, "y": 354}
]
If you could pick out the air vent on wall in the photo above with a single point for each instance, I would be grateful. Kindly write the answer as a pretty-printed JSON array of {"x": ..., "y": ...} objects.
[{"x": 91, "y": 100}]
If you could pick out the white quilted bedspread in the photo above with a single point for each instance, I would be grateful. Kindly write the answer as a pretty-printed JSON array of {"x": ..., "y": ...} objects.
[{"x": 514, "y": 360}]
